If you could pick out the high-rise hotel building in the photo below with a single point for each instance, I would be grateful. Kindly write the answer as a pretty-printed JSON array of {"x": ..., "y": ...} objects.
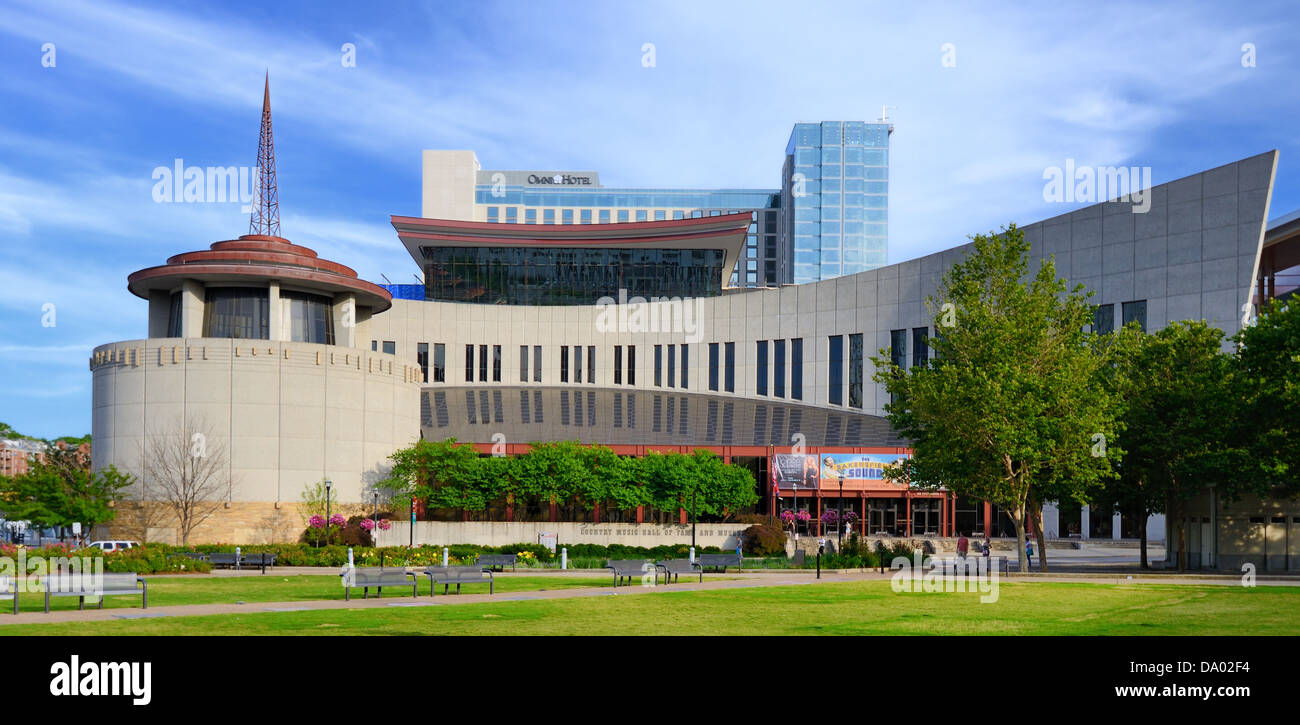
[{"x": 829, "y": 218}]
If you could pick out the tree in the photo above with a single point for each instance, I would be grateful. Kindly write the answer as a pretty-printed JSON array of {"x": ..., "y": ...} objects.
[
  {"x": 1268, "y": 366},
  {"x": 57, "y": 490},
  {"x": 186, "y": 467},
  {"x": 1010, "y": 412}
]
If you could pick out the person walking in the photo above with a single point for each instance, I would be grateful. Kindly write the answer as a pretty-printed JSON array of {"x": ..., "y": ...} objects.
[
  {"x": 1029, "y": 552},
  {"x": 986, "y": 547},
  {"x": 963, "y": 546}
]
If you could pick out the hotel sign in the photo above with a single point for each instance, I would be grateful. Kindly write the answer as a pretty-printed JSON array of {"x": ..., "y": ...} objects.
[{"x": 539, "y": 178}]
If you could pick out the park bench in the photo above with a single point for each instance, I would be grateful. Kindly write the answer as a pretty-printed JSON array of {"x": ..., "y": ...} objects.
[
  {"x": 629, "y": 569},
  {"x": 9, "y": 590},
  {"x": 259, "y": 560},
  {"x": 499, "y": 562},
  {"x": 448, "y": 575},
  {"x": 373, "y": 576},
  {"x": 720, "y": 561},
  {"x": 86, "y": 584},
  {"x": 675, "y": 567}
]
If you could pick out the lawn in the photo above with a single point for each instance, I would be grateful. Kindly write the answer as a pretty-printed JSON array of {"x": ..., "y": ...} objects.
[
  {"x": 866, "y": 607},
  {"x": 171, "y": 591}
]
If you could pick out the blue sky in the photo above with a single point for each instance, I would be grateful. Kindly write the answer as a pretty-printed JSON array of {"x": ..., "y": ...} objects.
[{"x": 562, "y": 85}]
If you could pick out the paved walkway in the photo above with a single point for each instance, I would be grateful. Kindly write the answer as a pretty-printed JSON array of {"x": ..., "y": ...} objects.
[{"x": 747, "y": 580}]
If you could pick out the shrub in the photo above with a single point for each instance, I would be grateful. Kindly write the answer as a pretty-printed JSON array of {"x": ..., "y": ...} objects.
[{"x": 763, "y": 540}]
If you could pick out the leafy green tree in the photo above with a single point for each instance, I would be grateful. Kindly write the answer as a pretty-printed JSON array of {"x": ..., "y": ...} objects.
[
  {"x": 1268, "y": 366},
  {"x": 1012, "y": 412},
  {"x": 53, "y": 492}
]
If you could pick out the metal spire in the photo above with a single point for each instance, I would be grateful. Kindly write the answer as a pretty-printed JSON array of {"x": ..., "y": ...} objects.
[{"x": 266, "y": 209}]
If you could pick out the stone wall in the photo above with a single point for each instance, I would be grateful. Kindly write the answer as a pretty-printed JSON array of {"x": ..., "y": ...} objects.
[
  {"x": 500, "y": 533},
  {"x": 237, "y": 523}
]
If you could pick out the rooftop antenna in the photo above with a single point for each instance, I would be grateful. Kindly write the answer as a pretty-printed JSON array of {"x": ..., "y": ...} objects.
[
  {"x": 266, "y": 211},
  {"x": 884, "y": 116}
]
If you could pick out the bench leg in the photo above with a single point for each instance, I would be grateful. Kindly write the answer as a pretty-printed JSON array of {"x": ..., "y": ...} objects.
[
  {"x": 47, "y": 600},
  {"x": 445, "y": 587},
  {"x": 379, "y": 592},
  {"x": 81, "y": 604}
]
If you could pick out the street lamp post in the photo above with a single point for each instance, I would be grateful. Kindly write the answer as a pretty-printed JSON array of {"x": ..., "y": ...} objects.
[
  {"x": 327, "y": 510},
  {"x": 694, "y": 491},
  {"x": 839, "y": 521}
]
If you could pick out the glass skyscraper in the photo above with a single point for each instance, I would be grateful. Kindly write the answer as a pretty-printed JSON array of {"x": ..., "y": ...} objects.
[{"x": 835, "y": 199}]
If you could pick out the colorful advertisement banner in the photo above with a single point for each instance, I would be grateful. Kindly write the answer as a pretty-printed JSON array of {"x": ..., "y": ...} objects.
[
  {"x": 857, "y": 467},
  {"x": 791, "y": 469}
]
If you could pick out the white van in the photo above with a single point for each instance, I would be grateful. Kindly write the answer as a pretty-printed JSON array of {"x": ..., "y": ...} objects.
[{"x": 114, "y": 545}]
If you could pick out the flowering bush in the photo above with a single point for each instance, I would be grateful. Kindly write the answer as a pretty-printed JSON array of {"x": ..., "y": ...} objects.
[
  {"x": 527, "y": 558},
  {"x": 850, "y": 517},
  {"x": 338, "y": 520},
  {"x": 787, "y": 517},
  {"x": 803, "y": 517},
  {"x": 385, "y": 524},
  {"x": 316, "y": 522},
  {"x": 829, "y": 516},
  {"x": 368, "y": 524}
]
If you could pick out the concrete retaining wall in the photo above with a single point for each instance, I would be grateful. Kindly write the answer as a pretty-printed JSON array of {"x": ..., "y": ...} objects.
[{"x": 499, "y": 533}]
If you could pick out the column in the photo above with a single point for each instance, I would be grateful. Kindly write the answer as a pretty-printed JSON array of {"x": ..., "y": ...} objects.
[
  {"x": 862, "y": 522},
  {"x": 279, "y": 314},
  {"x": 907, "y": 499},
  {"x": 344, "y": 311},
  {"x": 191, "y": 309},
  {"x": 819, "y": 513},
  {"x": 640, "y": 514},
  {"x": 1115, "y": 525},
  {"x": 988, "y": 520},
  {"x": 1085, "y": 521},
  {"x": 595, "y": 514}
]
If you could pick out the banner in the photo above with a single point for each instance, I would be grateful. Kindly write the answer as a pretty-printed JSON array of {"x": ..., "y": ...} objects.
[{"x": 791, "y": 469}]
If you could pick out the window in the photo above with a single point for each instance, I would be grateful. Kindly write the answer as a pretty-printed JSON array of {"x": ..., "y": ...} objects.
[
  {"x": 512, "y": 215},
  {"x": 530, "y": 216},
  {"x": 1135, "y": 312},
  {"x": 390, "y": 347},
  {"x": 760, "y": 367},
  {"x": 622, "y": 215},
  {"x": 898, "y": 347},
  {"x": 548, "y": 216},
  {"x": 523, "y": 363},
  {"x": 492, "y": 214},
  {"x": 672, "y": 366},
  {"x": 537, "y": 363},
  {"x": 374, "y": 346},
  {"x": 920, "y": 348},
  {"x": 618, "y": 364},
  {"x": 660, "y": 215},
  {"x": 1103, "y": 319},
  {"x": 577, "y": 363},
  {"x": 422, "y": 359},
  {"x": 496, "y": 363},
  {"x": 686, "y": 364},
  {"x": 855, "y": 370},
  {"x": 729, "y": 366},
  {"x": 311, "y": 317},
  {"x": 469, "y": 363},
  {"x": 659, "y": 365},
  {"x": 641, "y": 215},
  {"x": 591, "y": 363},
  {"x": 482, "y": 363},
  {"x": 835, "y": 371},
  {"x": 778, "y": 368},
  {"x": 566, "y": 216},
  {"x": 604, "y": 216},
  {"x": 586, "y": 216},
  {"x": 564, "y": 363},
  {"x": 713, "y": 366},
  {"x": 631, "y": 364},
  {"x": 796, "y": 368},
  {"x": 238, "y": 312},
  {"x": 174, "y": 316},
  {"x": 439, "y": 362}
]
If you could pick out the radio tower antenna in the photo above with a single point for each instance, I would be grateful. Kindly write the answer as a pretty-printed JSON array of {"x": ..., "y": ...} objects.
[{"x": 266, "y": 209}]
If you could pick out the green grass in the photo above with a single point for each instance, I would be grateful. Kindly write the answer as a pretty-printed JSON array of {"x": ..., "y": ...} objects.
[
  {"x": 867, "y": 607},
  {"x": 172, "y": 591}
]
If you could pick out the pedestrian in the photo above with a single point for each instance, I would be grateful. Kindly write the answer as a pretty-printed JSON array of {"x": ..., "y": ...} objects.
[
  {"x": 986, "y": 547},
  {"x": 963, "y": 546},
  {"x": 1029, "y": 551}
]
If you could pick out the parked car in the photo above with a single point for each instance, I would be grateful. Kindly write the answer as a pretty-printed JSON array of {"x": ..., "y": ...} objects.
[{"x": 115, "y": 545}]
